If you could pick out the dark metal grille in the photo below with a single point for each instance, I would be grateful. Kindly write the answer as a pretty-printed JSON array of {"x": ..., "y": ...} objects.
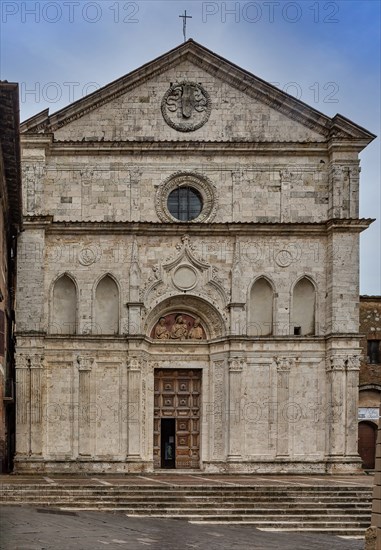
[{"x": 185, "y": 203}]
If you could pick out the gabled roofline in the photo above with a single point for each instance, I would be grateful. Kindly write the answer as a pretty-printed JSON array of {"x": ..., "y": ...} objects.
[{"x": 338, "y": 127}]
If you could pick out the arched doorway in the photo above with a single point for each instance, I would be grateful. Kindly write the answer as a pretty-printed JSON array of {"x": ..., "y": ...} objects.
[
  {"x": 367, "y": 444},
  {"x": 180, "y": 329}
]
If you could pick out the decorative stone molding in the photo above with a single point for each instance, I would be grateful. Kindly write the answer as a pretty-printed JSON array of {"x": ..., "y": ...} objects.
[
  {"x": 187, "y": 179},
  {"x": 284, "y": 258},
  {"x": 84, "y": 363},
  {"x": 185, "y": 277},
  {"x": 284, "y": 364},
  {"x": 211, "y": 318},
  {"x": 89, "y": 255},
  {"x": 30, "y": 361},
  {"x": 186, "y": 106},
  {"x": 203, "y": 281},
  {"x": 236, "y": 364},
  {"x": 336, "y": 363},
  {"x": 353, "y": 362},
  {"x": 134, "y": 364}
]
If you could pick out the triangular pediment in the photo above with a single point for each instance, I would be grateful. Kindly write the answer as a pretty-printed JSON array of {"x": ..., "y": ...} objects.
[{"x": 246, "y": 97}]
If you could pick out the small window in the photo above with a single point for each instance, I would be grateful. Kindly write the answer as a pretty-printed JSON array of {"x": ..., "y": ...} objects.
[
  {"x": 185, "y": 203},
  {"x": 374, "y": 352}
]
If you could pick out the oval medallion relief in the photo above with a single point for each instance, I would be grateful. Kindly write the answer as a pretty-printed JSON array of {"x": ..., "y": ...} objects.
[{"x": 184, "y": 277}]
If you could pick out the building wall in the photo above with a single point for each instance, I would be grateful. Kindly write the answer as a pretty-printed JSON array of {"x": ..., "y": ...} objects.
[
  {"x": 272, "y": 400},
  {"x": 10, "y": 223},
  {"x": 370, "y": 376},
  {"x": 3, "y": 320}
]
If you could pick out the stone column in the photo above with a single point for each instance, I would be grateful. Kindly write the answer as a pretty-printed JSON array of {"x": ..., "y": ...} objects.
[
  {"x": 283, "y": 367},
  {"x": 336, "y": 184},
  {"x": 85, "y": 439},
  {"x": 134, "y": 305},
  {"x": 29, "y": 403},
  {"x": 354, "y": 179},
  {"x": 335, "y": 411},
  {"x": 36, "y": 393},
  {"x": 23, "y": 404},
  {"x": 217, "y": 413},
  {"x": 135, "y": 176},
  {"x": 237, "y": 180},
  {"x": 34, "y": 173},
  {"x": 351, "y": 400},
  {"x": 134, "y": 404},
  {"x": 236, "y": 431},
  {"x": 238, "y": 299}
]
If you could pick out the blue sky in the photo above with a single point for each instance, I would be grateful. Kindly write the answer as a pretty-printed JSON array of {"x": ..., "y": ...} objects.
[{"x": 326, "y": 53}]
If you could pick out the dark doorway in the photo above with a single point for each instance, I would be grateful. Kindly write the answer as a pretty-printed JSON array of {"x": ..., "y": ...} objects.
[
  {"x": 168, "y": 436},
  {"x": 177, "y": 415},
  {"x": 367, "y": 444}
]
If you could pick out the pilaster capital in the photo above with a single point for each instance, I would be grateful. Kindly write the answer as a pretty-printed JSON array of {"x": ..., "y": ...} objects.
[
  {"x": 134, "y": 364},
  {"x": 284, "y": 364},
  {"x": 336, "y": 363},
  {"x": 353, "y": 362},
  {"x": 236, "y": 364},
  {"x": 84, "y": 363},
  {"x": 30, "y": 361}
]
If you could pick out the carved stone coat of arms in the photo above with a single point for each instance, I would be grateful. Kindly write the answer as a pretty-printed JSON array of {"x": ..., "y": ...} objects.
[{"x": 186, "y": 106}]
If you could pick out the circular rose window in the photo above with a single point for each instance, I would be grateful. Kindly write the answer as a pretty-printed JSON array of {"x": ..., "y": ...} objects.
[
  {"x": 184, "y": 203},
  {"x": 186, "y": 197}
]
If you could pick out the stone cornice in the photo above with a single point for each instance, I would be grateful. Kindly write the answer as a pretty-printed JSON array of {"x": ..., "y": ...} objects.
[
  {"x": 120, "y": 148},
  {"x": 151, "y": 228}
]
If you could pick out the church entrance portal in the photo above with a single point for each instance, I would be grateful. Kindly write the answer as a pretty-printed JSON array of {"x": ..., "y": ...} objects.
[{"x": 177, "y": 418}]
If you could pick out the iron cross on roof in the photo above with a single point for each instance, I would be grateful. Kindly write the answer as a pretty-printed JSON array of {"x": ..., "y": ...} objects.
[{"x": 184, "y": 18}]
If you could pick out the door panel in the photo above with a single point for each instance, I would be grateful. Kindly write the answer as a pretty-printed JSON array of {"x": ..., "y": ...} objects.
[
  {"x": 367, "y": 444},
  {"x": 177, "y": 396}
]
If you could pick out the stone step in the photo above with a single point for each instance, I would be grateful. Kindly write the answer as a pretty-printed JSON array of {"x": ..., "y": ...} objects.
[
  {"x": 272, "y": 503},
  {"x": 186, "y": 501},
  {"x": 190, "y": 489},
  {"x": 194, "y": 502},
  {"x": 182, "y": 495},
  {"x": 319, "y": 512}
]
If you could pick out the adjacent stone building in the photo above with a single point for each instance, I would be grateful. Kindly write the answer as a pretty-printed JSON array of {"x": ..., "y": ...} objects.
[
  {"x": 188, "y": 277},
  {"x": 370, "y": 377},
  {"x": 10, "y": 224}
]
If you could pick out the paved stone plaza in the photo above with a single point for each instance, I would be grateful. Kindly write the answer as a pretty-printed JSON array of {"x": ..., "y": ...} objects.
[{"x": 27, "y": 528}]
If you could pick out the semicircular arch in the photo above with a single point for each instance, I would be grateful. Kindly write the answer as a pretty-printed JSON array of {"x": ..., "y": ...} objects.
[{"x": 210, "y": 317}]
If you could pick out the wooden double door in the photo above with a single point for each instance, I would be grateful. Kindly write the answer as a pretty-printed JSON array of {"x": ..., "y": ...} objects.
[{"x": 177, "y": 418}]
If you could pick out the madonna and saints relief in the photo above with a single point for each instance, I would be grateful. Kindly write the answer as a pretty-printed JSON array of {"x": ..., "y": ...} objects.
[{"x": 178, "y": 326}]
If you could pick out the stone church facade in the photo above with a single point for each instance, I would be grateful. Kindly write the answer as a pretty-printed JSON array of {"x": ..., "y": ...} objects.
[{"x": 188, "y": 278}]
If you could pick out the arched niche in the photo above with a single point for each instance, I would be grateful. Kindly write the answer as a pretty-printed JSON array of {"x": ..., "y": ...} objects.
[
  {"x": 261, "y": 308},
  {"x": 303, "y": 308},
  {"x": 192, "y": 306},
  {"x": 64, "y": 306},
  {"x": 106, "y": 306}
]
